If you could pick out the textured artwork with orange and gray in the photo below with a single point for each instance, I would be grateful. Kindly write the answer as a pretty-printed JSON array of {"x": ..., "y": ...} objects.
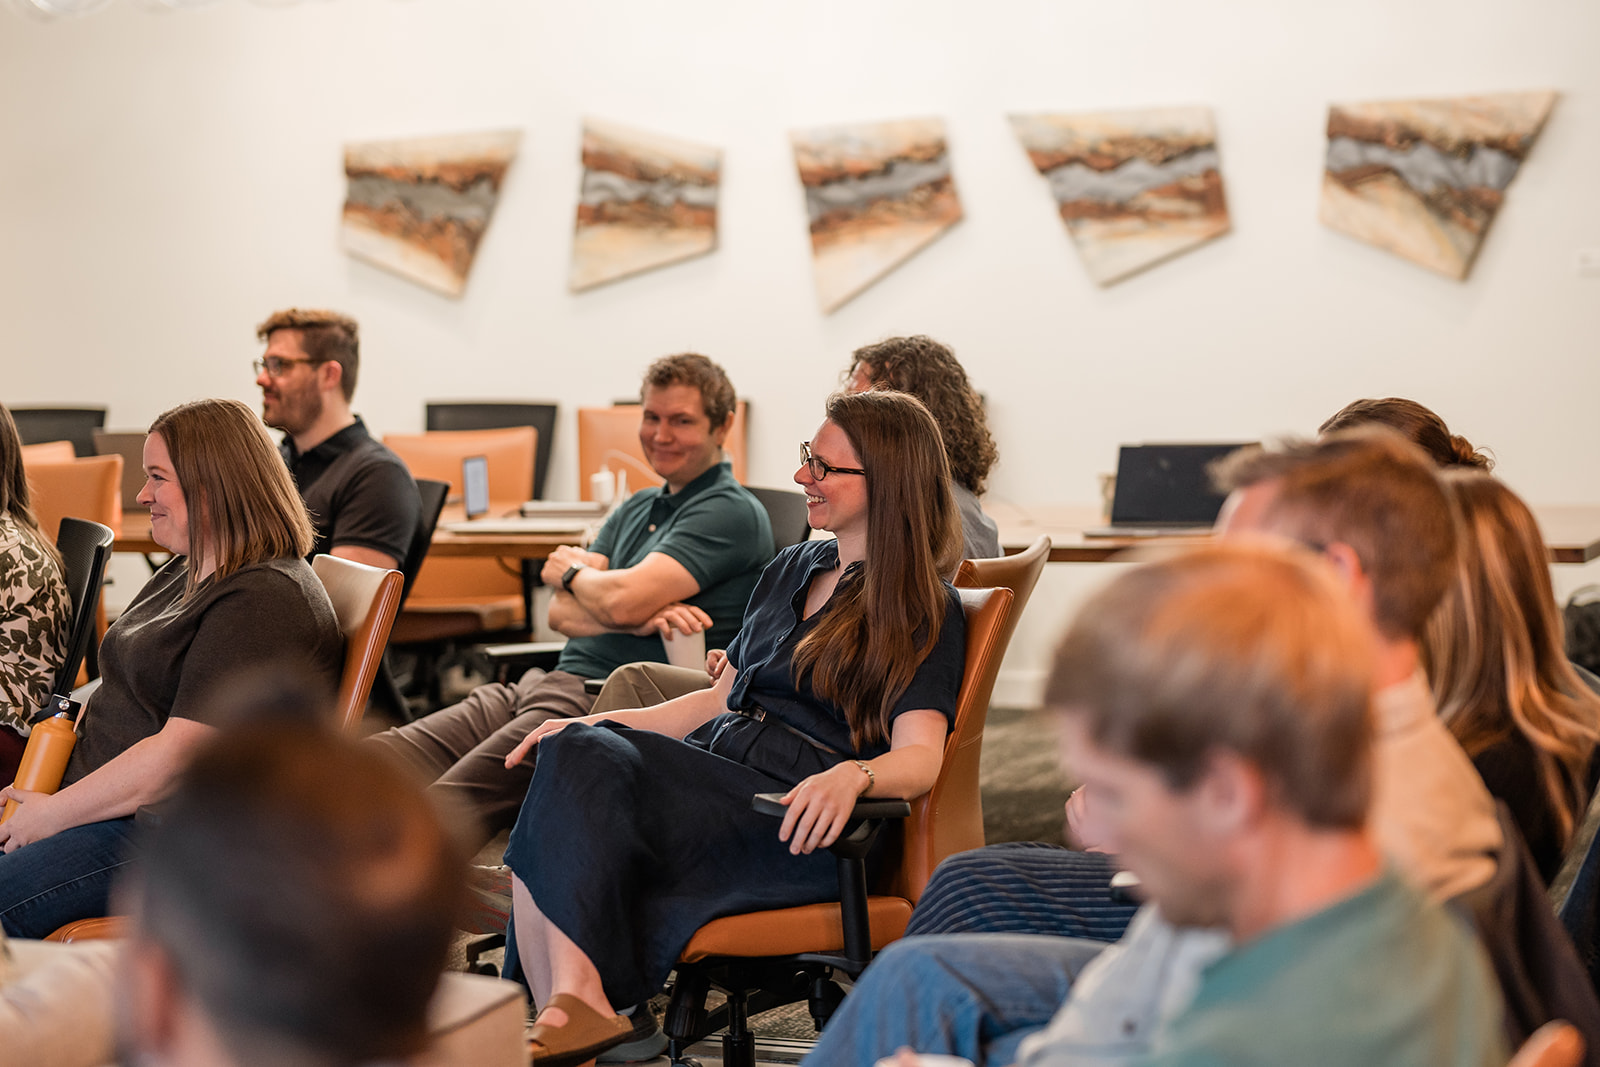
[
  {"x": 420, "y": 207},
  {"x": 1424, "y": 178},
  {"x": 1133, "y": 187},
  {"x": 875, "y": 194},
  {"x": 646, "y": 201}
]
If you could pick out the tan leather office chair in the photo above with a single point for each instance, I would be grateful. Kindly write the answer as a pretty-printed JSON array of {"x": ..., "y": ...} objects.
[
  {"x": 1018, "y": 573},
  {"x": 611, "y": 436},
  {"x": 365, "y": 600},
  {"x": 461, "y": 597},
  {"x": 89, "y": 488},
  {"x": 1555, "y": 1044},
  {"x": 737, "y": 954},
  {"x": 48, "y": 452}
]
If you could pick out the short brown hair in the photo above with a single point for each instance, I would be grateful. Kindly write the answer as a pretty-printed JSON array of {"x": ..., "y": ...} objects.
[
  {"x": 1414, "y": 422},
  {"x": 1373, "y": 490},
  {"x": 929, "y": 371},
  {"x": 1246, "y": 647},
  {"x": 305, "y": 891},
  {"x": 692, "y": 369},
  {"x": 242, "y": 503},
  {"x": 324, "y": 336}
]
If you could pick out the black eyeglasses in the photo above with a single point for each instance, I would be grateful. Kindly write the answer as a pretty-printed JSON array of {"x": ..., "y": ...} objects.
[
  {"x": 821, "y": 468},
  {"x": 277, "y": 366}
]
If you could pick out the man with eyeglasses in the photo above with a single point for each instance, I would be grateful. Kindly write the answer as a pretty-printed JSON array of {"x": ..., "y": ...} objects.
[{"x": 362, "y": 499}]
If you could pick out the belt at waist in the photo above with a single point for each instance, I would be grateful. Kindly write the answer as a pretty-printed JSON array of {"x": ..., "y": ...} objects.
[{"x": 760, "y": 714}]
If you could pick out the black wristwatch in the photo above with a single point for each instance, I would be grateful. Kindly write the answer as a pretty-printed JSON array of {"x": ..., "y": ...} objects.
[{"x": 572, "y": 572}]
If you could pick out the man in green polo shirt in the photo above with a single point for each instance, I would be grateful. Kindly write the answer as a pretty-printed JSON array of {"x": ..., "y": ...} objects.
[{"x": 683, "y": 558}]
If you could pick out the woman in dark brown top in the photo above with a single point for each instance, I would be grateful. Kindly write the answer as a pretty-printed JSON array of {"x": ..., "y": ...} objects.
[{"x": 237, "y": 593}]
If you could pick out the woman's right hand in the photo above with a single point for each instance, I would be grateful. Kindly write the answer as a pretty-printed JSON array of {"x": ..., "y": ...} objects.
[
  {"x": 544, "y": 730},
  {"x": 716, "y": 662}
]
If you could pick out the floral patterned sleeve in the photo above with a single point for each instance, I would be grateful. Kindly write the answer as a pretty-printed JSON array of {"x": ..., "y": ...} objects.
[{"x": 35, "y": 615}]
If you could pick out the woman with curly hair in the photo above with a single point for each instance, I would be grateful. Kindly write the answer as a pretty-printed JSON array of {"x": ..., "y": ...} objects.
[{"x": 929, "y": 371}]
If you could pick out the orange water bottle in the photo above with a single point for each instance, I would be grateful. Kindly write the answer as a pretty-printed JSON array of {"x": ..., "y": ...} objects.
[{"x": 44, "y": 761}]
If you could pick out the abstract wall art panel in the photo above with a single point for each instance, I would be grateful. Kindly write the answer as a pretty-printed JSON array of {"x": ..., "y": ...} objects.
[
  {"x": 646, "y": 201},
  {"x": 875, "y": 195},
  {"x": 419, "y": 207},
  {"x": 1133, "y": 187},
  {"x": 1424, "y": 178}
]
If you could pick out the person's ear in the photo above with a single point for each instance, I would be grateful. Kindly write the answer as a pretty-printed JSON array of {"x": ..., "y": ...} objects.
[
  {"x": 1351, "y": 573},
  {"x": 719, "y": 434},
  {"x": 330, "y": 375},
  {"x": 1232, "y": 792}
]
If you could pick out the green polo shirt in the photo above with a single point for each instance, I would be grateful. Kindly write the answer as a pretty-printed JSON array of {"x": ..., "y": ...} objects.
[{"x": 718, "y": 531}]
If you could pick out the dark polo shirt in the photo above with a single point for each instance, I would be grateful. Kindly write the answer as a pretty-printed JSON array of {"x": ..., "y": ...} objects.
[{"x": 358, "y": 492}]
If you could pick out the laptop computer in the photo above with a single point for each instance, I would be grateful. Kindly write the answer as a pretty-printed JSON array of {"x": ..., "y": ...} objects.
[{"x": 1164, "y": 490}]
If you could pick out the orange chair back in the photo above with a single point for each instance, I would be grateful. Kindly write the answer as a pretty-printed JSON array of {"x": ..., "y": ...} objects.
[
  {"x": 49, "y": 452},
  {"x": 442, "y": 584},
  {"x": 89, "y": 488},
  {"x": 949, "y": 817},
  {"x": 438, "y": 455},
  {"x": 365, "y": 600},
  {"x": 611, "y": 436},
  {"x": 1018, "y": 573}
]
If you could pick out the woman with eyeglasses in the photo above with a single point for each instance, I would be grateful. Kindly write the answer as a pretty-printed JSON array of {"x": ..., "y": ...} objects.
[
  {"x": 237, "y": 595},
  {"x": 842, "y": 682}
]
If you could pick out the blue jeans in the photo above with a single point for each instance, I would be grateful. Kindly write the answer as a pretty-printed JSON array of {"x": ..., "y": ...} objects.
[
  {"x": 971, "y": 995},
  {"x": 66, "y": 877}
]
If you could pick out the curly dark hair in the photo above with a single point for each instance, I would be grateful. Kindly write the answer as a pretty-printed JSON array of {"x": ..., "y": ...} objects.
[{"x": 928, "y": 370}]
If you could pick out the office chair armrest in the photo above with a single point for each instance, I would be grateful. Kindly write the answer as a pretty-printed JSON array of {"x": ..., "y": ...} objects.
[
  {"x": 507, "y": 663},
  {"x": 86, "y": 690},
  {"x": 592, "y": 686},
  {"x": 768, "y": 804}
]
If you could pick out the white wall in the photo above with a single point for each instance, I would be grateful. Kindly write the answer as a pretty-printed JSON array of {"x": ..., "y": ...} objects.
[{"x": 168, "y": 179}]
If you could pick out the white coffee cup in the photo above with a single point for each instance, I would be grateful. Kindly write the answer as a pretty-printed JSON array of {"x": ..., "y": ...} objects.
[{"x": 686, "y": 650}]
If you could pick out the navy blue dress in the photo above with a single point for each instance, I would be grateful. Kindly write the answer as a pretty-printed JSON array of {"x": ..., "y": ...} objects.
[{"x": 630, "y": 841}]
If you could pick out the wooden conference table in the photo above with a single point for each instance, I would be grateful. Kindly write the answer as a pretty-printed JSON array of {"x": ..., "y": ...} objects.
[{"x": 1572, "y": 533}]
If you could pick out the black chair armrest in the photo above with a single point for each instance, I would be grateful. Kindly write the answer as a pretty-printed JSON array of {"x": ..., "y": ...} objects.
[
  {"x": 768, "y": 804},
  {"x": 592, "y": 686},
  {"x": 508, "y": 663}
]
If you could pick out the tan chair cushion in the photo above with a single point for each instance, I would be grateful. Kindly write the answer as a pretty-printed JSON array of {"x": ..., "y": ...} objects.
[{"x": 788, "y": 931}]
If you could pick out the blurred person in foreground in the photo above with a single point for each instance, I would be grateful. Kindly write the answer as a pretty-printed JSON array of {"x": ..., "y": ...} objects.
[
  {"x": 293, "y": 904},
  {"x": 1220, "y": 705}
]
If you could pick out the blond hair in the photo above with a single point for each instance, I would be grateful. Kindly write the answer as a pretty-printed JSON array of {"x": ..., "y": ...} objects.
[
  {"x": 243, "y": 506},
  {"x": 1494, "y": 653}
]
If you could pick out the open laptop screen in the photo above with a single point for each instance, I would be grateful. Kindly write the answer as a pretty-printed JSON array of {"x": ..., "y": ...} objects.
[
  {"x": 1167, "y": 485},
  {"x": 475, "y": 485}
]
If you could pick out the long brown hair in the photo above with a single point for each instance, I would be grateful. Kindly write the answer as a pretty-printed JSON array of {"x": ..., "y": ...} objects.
[
  {"x": 242, "y": 504},
  {"x": 885, "y": 615},
  {"x": 15, "y": 499},
  {"x": 1493, "y": 649}
]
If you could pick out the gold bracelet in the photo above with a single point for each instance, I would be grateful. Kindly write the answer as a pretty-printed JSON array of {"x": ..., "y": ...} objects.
[{"x": 872, "y": 779}]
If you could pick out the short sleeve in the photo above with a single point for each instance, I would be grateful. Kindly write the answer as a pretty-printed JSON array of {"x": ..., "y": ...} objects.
[
  {"x": 937, "y": 683},
  {"x": 718, "y": 537},
  {"x": 265, "y": 621},
  {"x": 379, "y": 509}
]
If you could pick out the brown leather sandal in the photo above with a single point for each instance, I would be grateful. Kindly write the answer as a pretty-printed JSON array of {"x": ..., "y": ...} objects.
[{"x": 586, "y": 1034}]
